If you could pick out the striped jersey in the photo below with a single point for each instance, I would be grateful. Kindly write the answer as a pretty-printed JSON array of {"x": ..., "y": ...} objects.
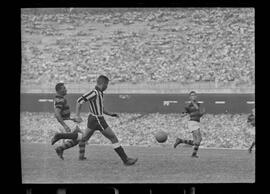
[
  {"x": 61, "y": 103},
  {"x": 94, "y": 98},
  {"x": 196, "y": 114}
]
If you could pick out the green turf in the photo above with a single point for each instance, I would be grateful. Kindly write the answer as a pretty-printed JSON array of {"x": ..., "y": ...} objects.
[{"x": 40, "y": 164}]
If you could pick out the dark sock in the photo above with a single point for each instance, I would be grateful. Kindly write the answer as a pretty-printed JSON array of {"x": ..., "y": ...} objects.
[
  {"x": 81, "y": 149},
  {"x": 195, "y": 149},
  {"x": 120, "y": 151},
  {"x": 189, "y": 142},
  {"x": 68, "y": 144}
]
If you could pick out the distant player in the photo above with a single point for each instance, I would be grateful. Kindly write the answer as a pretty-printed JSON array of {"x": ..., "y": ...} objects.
[
  {"x": 251, "y": 121},
  {"x": 96, "y": 120},
  {"x": 193, "y": 110},
  {"x": 62, "y": 113}
]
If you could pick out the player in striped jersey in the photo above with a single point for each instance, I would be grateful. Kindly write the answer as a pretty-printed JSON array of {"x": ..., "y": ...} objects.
[
  {"x": 96, "y": 120},
  {"x": 62, "y": 114},
  {"x": 251, "y": 121},
  {"x": 193, "y": 110}
]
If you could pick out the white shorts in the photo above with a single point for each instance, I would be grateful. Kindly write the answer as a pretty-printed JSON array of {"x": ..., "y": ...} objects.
[{"x": 193, "y": 125}]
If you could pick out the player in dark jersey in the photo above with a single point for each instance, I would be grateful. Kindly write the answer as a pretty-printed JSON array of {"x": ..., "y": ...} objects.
[
  {"x": 251, "y": 121},
  {"x": 96, "y": 120},
  {"x": 193, "y": 110},
  {"x": 62, "y": 114}
]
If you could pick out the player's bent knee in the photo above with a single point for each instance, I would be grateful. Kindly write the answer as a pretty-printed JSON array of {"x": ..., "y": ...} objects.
[{"x": 114, "y": 139}]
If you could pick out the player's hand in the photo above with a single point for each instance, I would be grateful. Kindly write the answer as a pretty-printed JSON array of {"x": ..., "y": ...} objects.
[
  {"x": 73, "y": 119},
  {"x": 78, "y": 119},
  {"x": 67, "y": 129},
  {"x": 183, "y": 114},
  {"x": 115, "y": 115}
]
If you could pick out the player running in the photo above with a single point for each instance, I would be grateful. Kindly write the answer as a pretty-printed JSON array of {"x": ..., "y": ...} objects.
[
  {"x": 96, "y": 120},
  {"x": 251, "y": 121},
  {"x": 62, "y": 114},
  {"x": 193, "y": 109}
]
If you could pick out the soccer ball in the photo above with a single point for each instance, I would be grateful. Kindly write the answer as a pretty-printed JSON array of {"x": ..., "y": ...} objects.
[{"x": 161, "y": 136}]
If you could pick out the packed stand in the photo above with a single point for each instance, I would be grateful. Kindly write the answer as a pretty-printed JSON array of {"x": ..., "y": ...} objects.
[
  {"x": 184, "y": 45},
  {"x": 220, "y": 131}
]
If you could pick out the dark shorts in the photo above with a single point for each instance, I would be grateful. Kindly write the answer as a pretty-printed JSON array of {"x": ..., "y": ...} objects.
[{"x": 96, "y": 123}]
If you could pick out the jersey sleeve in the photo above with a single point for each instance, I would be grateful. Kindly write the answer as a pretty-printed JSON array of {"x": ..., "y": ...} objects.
[{"x": 87, "y": 97}]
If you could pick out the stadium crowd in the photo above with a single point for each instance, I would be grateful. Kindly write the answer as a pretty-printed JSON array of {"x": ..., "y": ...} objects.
[
  {"x": 221, "y": 131},
  {"x": 155, "y": 45}
]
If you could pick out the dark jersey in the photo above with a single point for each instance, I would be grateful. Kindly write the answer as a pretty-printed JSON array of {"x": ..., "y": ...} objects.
[
  {"x": 251, "y": 119},
  {"x": 194, "y": 113},
  {"x": 61, "y": 103}
]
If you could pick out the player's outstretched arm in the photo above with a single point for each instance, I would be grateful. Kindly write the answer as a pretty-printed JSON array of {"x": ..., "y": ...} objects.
[
  {"x": 61, "y": 120},
  {"x": 110, "y": 114},
  {"x": 78, "y": 118},
  {"x": 183, "y": 114}
]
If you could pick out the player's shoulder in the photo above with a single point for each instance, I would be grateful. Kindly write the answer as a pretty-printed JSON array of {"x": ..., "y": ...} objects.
[{"x": 59, "y": 99}]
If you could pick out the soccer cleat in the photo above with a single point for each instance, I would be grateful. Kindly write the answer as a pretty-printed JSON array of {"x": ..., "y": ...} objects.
[
  {"x": 82, "y": 158},
  {"x": 130, "y": 161},
  {"x": 55, "y": 139},
  {"x": 59, "y": 152},
  {"x": 177, "y": 142},
  {"x": 194, "y": 155}
]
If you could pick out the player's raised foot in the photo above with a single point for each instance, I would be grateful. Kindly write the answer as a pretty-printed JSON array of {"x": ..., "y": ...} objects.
[
  {"x": 194, "y": 155},
  {"x": 130, "y": 161},
  {"x": 59, "y": 152},
  {"x": 82, "y": 158},
  {"x": 177, "y": 142},
  {"x": 55, "y": 139}
]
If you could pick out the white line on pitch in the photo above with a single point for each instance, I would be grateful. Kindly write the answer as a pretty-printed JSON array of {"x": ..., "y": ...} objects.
[
  {"x": 250, "y": 102},
  {"x": 220, "y": 102}
]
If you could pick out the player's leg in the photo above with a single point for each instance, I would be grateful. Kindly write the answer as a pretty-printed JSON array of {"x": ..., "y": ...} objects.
[
  {"x": 62, "y": 130},
  {"x": 75, "y": 135},
  {"x": 197, "y": 138},
  {"x": 185, "y": 141},
  {"x": 109, "y": 134},
  {"x": 66, "y": 145},
  {"x": 250, "y": 148},
  {"x": 86, "y": 136}
]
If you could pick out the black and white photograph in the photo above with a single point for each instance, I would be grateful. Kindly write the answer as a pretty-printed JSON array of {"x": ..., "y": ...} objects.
[{"x": 137, "y": 95}]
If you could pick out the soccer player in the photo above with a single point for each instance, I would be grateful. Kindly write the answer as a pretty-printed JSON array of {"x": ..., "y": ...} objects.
[
  {"x": 96, "y": 120},
  {"x": 62, "y": 113},
  {"x": 251, "y": 121},
  {"x": 193, "y": 110}
]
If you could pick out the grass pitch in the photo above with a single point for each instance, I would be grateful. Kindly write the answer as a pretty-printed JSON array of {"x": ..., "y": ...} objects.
[{"x": 163, "y": 164}]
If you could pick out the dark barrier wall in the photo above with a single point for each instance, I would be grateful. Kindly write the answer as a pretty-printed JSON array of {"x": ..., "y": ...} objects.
[{"x": 147, "y": 103}]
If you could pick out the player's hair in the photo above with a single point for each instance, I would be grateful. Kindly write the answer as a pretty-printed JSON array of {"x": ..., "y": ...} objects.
[
  {"x": 58, "y": 86},
  {"x": 102, "y": 79},
  {"x": 192, "y": 92}
]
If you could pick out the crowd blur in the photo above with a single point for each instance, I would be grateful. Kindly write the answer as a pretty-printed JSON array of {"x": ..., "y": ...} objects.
[
  {"x": 184, "y": 45},
  {"x": 220, "y": 131}
]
